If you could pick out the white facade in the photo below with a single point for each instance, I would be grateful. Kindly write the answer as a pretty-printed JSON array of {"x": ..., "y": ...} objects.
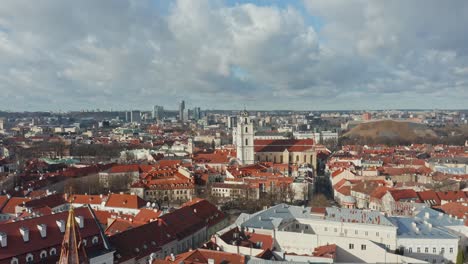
[{"x": 244, "y": 138}]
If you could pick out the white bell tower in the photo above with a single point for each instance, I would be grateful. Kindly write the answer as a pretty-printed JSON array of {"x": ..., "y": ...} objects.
[{"x": 245, "y": 139}]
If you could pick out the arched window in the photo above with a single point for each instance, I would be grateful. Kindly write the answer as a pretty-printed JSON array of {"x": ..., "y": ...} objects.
[
  {"x": 29, "y": 258},
  {"x": 246, "y": 141},
  {"x": 245, "y": 120},
  {"x": 14, "y": 261},
  {"x": 246, "y": 129},
  {"x": 43, "y": 254},
  {"x": 53, "y": 252},
  {"x": 95, "y": 240},
  {"x": 305, "y": 158}
]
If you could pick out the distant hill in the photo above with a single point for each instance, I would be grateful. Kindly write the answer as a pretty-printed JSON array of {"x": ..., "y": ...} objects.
[{"x": 390, "y": 130}]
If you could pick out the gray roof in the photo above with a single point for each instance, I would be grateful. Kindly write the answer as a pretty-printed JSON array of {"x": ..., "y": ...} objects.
[
  {"x": 409, "y": 227},
  {"x": 274, "y": 216},
  {"x": 356, "y": 216},
  {"x": 437, "y": 218}
]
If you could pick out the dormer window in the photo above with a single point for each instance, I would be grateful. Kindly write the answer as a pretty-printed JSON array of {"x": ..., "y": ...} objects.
[{"x": 29, "y": 258}]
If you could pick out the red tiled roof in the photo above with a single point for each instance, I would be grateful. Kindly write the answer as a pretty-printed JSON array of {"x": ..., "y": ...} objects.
[
  {"x": 120, "y": 225},
  {"x": 9, "y": 207},
  {"x": 452, "y": 196},
  {"x": 51, "y": 201},
  {"x": 201, "y": 256},
  {"x": 280, "y": 145},
  {"x": 400, "y": 194},
  {"x": 183, "y": 222},
  {"x": 3, "y": 200},
  {"x": 429, "y": 196},
  {"x": 140, "y": 241},
  {"x": 205, "y": 210},
  {"x": 328, "y": 251},
  {"x": 379, "y": 192},
  {"x": 86, "y": 199},
  {"x": 124, "y": 168},
  {"x": 345, "y": 190},
  {"x": 16, "y": 245},
  {"x": 125, "y": 201},
  {"x": 146, "y": 215}
]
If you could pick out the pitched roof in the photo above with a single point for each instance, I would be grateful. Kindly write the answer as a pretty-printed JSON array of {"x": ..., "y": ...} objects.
[
  {"x": 280, "y": 145},
  {"x": 429, "y": 196},
  {"x": 205, "y": 210},
  {"x": 403, "y": 194},
  {"x": 16, "y": 245},
  {"x": 125, "y": 201},
  {"x": 9, "y": 207},
  {"x": 201, "y": 256},
  {"x": 328, "y": 251},
  {"x": 140, "y": 241}
]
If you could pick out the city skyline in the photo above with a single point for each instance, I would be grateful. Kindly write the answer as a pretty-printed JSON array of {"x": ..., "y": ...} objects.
[{"x": 298, "y": 55}]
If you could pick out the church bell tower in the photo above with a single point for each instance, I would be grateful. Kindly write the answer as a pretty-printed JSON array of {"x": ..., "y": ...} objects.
[{"x": 245, "y": 139}]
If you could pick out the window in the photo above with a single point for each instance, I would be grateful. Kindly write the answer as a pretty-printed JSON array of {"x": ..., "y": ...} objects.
[
  {"x": 377, "y": 233},
  {"x": 297, "y": 225},
  {"x": 418, "y": 250},
  {"x": 95, "y": 240},
  {"x": 14, "y": 261},
  {"x": 355, "y": 232},
  {"x": 326, "y": 229},
  {"x": 442, "y": 250},
  {"x": 363, "y": 247},
  {"x": 43, "y": 254},
  {"x": 410, "y": 250},
  {"x": 351, "y": 246},
  {"x": 336, "y": 230},
  {"x": 29, "y": 258},
  {"x": 245, "y": 120},
  {"x": 451, "y": 250},
  {"x": 53, "y": 252},
  {"x": 426, "y": 250},
  {"x": 246, "y": 141},
  {"x": 366, "y": 233},
  {"x": 246, "y": 129},
  {"x": 434, "y": 250}
]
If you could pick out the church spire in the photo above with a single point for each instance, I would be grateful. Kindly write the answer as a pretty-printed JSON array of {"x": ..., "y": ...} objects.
[{"x": 73, "y": 251}]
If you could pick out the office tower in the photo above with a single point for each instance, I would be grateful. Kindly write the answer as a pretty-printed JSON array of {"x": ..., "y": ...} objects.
[
  {"x": 181, "y": 110},
  {"x": 135, "y": 116}
]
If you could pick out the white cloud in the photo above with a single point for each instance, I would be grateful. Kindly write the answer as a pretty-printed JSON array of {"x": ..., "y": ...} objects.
[{"x": 125, "y": 54}]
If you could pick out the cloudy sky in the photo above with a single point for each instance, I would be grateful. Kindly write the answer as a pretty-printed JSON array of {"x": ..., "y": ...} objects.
[{"x": 227, "y": 54}]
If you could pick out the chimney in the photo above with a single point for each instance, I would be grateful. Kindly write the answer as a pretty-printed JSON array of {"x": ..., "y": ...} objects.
[
  {"x": 3, "y": 239},
  {"x": 42, "y": 230},
  {"x": 25, "y": 233},
  {"x": 80, "y": 221},
  {"x": 61, "y": 225}
]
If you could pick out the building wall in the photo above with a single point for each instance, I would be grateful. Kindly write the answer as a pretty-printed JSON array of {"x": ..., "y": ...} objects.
[
  {"x": 245, "y": 140},
  {"x": 445, "y": 249}
]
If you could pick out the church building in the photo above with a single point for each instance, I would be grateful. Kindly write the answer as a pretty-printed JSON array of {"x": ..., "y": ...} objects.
[{"x": 284, "y": 151}]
